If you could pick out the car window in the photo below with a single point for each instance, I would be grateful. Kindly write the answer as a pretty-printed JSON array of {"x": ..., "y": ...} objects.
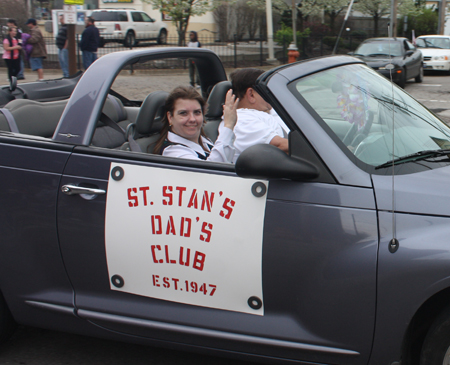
[
  {"x": 146, "y": 18},
  {"x": 364, "y": 112},
  {"x": 434, "y": 42},
  {"x": 410, "y": 46},
  {"x": 137, "y": 17},
  {"x": 109, "y": 16}
]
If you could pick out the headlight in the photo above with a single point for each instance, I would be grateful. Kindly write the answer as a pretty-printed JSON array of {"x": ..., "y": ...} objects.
[
  {"x": 389, "y": 66},
  {"x": 440, "y": 58}
]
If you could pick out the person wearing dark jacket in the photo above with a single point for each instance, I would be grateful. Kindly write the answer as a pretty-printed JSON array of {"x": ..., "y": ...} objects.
[
  {"x": 90, "y": 39},
  {"x": 39, "y": 51},
  {"x": 193, "y": 72},
  {"x": 61, "y": 43}
]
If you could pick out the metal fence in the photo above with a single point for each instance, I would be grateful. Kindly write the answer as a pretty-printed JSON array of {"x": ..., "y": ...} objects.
[{"x": 234, "y": 54}]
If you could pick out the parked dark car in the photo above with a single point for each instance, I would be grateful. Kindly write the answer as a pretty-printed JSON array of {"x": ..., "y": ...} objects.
[
  {"x": 395, "y": 58},
  {"x": 336, "y": 253}
]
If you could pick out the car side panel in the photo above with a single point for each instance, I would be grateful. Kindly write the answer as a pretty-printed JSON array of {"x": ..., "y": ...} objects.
[{"x": 31, "y": 267}]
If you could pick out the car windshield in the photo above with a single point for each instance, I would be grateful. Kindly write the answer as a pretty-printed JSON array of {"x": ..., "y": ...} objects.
[
  {"x": 430, "y": 42},
  {"x": 365, "y": 111},
  {"x": 381, "y": 48}
]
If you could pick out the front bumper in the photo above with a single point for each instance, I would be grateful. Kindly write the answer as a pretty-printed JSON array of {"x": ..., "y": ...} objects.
[
  {"x": 396, "y": 76},
  {"x": 436, "y": 65}
]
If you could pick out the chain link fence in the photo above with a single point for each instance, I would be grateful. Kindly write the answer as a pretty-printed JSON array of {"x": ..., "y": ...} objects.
[{"x": 234, "y": 54}]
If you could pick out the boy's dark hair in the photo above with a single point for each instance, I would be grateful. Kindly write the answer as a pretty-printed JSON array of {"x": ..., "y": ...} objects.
[
  {"x": 12, "y": 21},
  {"x": 243, "y": 79},
  {"x": 91, "y": 19}
]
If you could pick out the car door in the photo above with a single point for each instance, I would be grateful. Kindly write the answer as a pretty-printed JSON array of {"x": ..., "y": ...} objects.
[
  {"x": 138, "y": 24},
  {"x": 413, "y": 62},
  {"x": 187, "y": 251},
  {"x": 151, "y": 28}
]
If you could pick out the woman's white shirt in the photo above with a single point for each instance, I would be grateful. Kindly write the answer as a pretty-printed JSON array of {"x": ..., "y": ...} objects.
[{"x": 223, "y": 150}]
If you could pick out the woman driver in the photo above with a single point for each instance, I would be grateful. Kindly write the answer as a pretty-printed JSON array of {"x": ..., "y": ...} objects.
[{"x": 182, "y": 134}]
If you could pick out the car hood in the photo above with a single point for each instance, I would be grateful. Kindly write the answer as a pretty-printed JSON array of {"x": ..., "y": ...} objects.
[
  {"x": 431, "y": 52},
  {"x": 424, "y": 192},
  {"x": 379, "y": 61}
]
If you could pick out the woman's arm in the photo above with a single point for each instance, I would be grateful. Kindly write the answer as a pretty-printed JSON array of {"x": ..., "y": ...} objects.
[{"x": 7, "y": 47}]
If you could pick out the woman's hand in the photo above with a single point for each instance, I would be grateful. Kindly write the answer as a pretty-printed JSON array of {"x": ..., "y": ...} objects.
[{"x": 229, "y": 110}]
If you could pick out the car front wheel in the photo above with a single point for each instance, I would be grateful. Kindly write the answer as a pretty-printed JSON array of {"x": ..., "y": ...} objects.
[
  {"x": 436, "y": 347},
  {"x": 419, "y": 77},
  {"x": 7, "y": 324},
  {"x": 162, "y": 38}
]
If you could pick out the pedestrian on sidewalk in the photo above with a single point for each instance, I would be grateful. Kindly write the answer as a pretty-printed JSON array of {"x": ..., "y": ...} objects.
[
  {"x": 12, "y": 23},
  {"x": 62, "y": 43},
  {"x": 90, "y": 39},
  {"x": 193, "y": 72},
  {"x": 11, "y": 52},
  {"x": 39, "y": 51}
]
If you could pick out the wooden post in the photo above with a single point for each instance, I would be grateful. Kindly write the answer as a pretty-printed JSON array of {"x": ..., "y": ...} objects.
[{"x": 72, "y": 49}]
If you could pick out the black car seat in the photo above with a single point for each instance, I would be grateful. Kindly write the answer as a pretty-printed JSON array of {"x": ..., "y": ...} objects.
[
  {"x": 213, "y": 116},
  {"x": 105, "y": 134},
  {"x": 149, "y": 123}
]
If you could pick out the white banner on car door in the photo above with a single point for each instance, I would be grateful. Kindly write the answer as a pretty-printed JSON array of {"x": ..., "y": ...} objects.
[{"x": 186, "y": 237}]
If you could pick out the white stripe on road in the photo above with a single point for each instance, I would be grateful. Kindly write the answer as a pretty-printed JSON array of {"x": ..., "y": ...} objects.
[
  {"x": 434, "y": 101},
  {"x": 430, "y": 85}
]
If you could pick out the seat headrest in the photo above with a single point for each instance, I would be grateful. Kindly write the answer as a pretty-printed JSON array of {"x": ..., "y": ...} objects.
[
  {"x": 151, "y": 113},
  {"x": 216, "y": 99},
  {"x": 114, "y": 109}
]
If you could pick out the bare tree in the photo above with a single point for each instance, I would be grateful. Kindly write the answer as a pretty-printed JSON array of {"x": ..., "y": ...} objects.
[
  {"x": 374, "y": 8},
  {"x": 15, "y": 9},
  {"x": 181, "y": 11}
]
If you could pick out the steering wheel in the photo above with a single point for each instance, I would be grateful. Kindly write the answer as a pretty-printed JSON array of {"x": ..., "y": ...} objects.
[{"x": 355, "y": 136}]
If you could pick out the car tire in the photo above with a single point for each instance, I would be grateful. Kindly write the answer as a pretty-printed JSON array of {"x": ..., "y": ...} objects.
[
  {"x": 402, "y": 81},
  {"x": 7, "y": 324},
  {"x": 130, "y": 40},
  {"x": 436, "y": 347},
  {"x": 162, "y": 37},
  {"x": 419, "y": 77}
]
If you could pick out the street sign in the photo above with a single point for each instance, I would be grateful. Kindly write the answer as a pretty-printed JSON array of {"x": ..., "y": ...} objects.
[
  {"x": 70, "y": 14},
  {"x": 74, "y": 2}
]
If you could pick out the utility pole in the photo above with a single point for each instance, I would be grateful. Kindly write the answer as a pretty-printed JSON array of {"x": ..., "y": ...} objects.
[
  {"x": 442, "y": 13},
  {"x": 270, "y": 31},
  {"x": 70, "y": 18},
  {"x": 393, "y": 22}
]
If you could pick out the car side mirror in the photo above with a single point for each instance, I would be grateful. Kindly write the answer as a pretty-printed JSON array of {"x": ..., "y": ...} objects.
[
  {"x": 409, "y": 53},
  {"x": 264, "y": 161}
]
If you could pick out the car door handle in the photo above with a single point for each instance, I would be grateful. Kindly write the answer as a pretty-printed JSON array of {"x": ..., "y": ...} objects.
[{"x": 74, "y": 189}]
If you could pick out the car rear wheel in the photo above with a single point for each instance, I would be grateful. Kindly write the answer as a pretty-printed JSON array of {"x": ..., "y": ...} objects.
[
  {"x": 130, "y": 40},
  {"x": 7, "y": 324},
  {"x": 162, "y": 38},
  {"x": 419, "y": 77},
  {"x": 436, "y": 347}
]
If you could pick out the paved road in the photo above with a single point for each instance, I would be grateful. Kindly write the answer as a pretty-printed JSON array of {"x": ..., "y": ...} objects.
[{"x": 433, "y": 92}]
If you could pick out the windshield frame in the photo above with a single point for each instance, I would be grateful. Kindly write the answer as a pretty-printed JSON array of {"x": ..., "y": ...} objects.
[{"x": 407, "y": 168}]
